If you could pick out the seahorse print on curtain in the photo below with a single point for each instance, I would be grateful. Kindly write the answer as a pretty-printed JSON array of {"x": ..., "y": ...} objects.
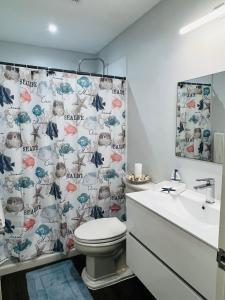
[{"x": 62, "y": 156}]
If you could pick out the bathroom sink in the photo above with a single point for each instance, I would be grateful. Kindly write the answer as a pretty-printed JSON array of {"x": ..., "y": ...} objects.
[
  {"x": 193, "y": 203},
  {"x": 177, "y": 235},
  {"x": 187, "y": 210}
]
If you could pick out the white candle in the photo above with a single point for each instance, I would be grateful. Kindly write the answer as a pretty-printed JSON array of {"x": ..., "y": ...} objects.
[{"x": 137, "y": 170}]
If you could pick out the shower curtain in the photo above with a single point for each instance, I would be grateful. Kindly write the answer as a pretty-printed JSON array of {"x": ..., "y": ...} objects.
[{"x": 62, "y": 156}]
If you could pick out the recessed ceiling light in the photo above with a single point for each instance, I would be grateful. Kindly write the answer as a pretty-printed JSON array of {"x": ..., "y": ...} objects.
[{"x": 52, "y": 28}]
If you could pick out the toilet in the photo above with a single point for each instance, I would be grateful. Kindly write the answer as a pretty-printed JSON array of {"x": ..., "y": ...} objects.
[{"x": 103, "y": 241}]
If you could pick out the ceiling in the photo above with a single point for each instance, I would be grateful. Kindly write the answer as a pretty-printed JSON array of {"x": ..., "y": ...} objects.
[{"x": 86, "y": 26}]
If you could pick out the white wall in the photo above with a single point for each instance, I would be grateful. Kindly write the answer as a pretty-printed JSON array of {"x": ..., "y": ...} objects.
[
  {"x": 157, "y": 58},
  {"x": 118, "y": 67},
  {"x": 218, "y": 107},
  {"x": 46, "y": 57}
]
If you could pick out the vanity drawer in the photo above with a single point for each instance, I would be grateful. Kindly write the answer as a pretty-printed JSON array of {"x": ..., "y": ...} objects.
[
  {"x": 157, "y": 278},
  {"x": 189, "y": 257}
]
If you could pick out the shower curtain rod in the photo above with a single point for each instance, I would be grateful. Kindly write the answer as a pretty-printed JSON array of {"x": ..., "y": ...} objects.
[
  {"x": 92, "y": 59},
  {"x": 194, "y": 83},
  {"x": 61, "y": 70}
]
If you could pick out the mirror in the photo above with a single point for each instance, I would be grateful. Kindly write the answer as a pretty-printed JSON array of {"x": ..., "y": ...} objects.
[{"x": 200, "y": 118}]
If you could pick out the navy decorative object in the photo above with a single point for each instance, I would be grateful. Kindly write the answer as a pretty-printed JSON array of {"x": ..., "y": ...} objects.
[
  {"x": 97, "y": 159},
  {"x": 201, "y": 105},
  {"x": 58, "y": 281},
  {"x": 97, "y": 212},
  {"x": 123, "y": 218},
  {"x": 8, "y": 226},
  {"x": 5, "y": 97},
  {"x": 200, "y": 148},
  {"x": 58, "y": 246},
  {"x": 181, "y": 127},
  {"x": 168, "y": 190},
  {"x": 52, "y": 130},
  {"x": 55, "y": 191},
  {"x": 98, "y": 103},
  {"x": 5, "y": 163}
]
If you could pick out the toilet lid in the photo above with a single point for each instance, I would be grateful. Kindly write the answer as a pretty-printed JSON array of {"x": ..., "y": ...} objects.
[{"x": 100, "y": 230}]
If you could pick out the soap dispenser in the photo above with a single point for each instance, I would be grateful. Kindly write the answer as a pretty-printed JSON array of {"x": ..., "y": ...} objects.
[{"x": 175, "y": 176}]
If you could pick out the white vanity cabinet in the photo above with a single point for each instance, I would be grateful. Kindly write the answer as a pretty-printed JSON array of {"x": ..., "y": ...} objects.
[{"x": 171, "y": 263}]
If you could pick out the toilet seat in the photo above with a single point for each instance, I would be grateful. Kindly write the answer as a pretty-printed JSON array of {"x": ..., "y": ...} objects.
[
  {"x": 101, "y": 244},
  {"x": 100, "y": 231}
]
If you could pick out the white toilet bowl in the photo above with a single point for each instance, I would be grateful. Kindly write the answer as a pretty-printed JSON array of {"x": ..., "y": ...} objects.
[{"x": 103, "y": 241}]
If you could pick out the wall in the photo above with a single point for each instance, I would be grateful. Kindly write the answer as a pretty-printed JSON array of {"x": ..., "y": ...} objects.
[
  {"x": 218, "y": 110},
  {"x": 46, "y": 57},
  {"x": 118, "y": 67},
  {"x": 157, "y": 57}
]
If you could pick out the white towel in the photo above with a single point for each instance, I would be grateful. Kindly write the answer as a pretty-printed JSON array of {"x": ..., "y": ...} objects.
[{"x": 218, "y": 147}]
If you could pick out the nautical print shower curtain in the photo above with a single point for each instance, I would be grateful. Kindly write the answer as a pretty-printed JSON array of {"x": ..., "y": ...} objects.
[
  {"x": 62, "y": 156},
  {"x": 193, "y": 136}
]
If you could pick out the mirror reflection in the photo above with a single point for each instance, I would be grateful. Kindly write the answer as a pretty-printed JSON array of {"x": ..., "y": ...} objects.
[{"x": 200, "y": 113}]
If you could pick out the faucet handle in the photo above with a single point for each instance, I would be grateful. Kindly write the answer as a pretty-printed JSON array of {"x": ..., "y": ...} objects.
[{"x": 208, "y": 180}]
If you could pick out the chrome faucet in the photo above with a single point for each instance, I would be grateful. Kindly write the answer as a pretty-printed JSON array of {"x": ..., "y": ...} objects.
[{"x": 210, "y": 189}]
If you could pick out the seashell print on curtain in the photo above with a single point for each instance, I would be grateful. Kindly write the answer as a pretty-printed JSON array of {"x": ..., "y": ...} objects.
[{"x": 62, "y": 157}]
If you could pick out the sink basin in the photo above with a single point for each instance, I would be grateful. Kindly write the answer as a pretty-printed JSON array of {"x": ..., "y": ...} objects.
[
  {"x": 185, "y": 210},
  {"x": 183, "y": 237},
  {"x": 193, "y": 204}
]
